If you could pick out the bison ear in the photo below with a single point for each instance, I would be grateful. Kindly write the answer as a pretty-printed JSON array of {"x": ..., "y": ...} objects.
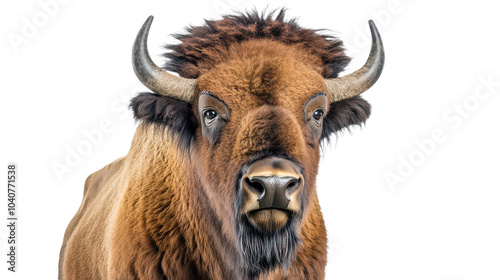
[
  {"x": 166, "y": 112},
  {"x": 344, "y": 113}
]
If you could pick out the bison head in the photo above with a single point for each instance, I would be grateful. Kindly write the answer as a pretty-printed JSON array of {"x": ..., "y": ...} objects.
[{"x": 251, "y": 107}]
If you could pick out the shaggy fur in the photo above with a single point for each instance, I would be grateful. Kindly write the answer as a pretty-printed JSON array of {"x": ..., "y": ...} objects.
[
  {"x": 164, "y": 112},
  {"x": 203, "y": 47},
  {"x": 345, "y": 113},
  {"x": 266, "y": 251},
  {"x": 163, "y": 213}
]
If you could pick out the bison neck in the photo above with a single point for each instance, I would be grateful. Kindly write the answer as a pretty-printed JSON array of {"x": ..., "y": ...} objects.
[{"x": 164, "y": 226}]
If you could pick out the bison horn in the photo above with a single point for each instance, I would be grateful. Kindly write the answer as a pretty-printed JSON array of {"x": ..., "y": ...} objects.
[
  {"x": 155, "y": 78},
  {"x": 356, "y": 83}
]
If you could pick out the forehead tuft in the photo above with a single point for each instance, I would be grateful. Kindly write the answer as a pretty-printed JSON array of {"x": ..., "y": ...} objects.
[{"x": 202, "y": 48}]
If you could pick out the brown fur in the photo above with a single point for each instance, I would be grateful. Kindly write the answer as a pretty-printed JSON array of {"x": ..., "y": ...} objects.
[
  {"x": 163, "y": 212},
  {"x": 204, "y": 47}
]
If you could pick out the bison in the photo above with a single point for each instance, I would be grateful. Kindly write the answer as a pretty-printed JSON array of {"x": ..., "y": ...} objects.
[{"x": 219, "y": 182}]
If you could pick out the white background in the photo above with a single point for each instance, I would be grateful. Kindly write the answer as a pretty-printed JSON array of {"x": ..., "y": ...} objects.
[{"x": 441, "y": 220}]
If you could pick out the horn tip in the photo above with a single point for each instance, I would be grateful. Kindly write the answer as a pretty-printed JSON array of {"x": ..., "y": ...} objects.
[
  {"x": 375, "y": 34},
  {"x": 149, "y": 20},
  {"x": 373, "y": 26},
  {"x": 145, "y": 27}
]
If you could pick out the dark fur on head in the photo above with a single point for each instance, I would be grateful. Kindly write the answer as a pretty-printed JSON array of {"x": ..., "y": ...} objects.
[
  {"x": 164, "y": 112},
  {"x": 345, "y": 113},
  {"x": 203, "y": 47}
]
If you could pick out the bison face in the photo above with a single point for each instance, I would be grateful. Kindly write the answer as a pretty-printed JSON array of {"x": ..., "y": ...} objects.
[
  {"x": 252, "y": 127},
  {"x": 261, "y": 117}
]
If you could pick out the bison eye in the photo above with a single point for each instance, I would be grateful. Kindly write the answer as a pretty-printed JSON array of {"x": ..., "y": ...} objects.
[
  {"x": 210, "y": 115},
  {"x": 318, "y": 114}
]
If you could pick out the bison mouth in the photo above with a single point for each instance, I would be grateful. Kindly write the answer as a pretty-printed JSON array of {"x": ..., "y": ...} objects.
[{"x": 270, "y": 219}]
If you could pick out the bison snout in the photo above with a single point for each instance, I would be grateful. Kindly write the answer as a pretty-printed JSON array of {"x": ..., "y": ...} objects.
[{"x": 272, "y": 192}]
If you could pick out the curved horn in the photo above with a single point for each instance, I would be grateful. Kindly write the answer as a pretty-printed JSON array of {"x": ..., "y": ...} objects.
[
  {"x": 356, "y": 83},
  {"x": 155, "y": 78}
]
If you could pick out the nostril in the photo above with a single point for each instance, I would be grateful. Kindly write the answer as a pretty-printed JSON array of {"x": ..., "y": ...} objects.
[
  {"x": 293, "y": 185},
  {"x": 255, "y": 186}
]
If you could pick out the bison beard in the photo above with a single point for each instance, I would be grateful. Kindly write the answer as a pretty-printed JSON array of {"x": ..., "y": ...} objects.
[{"x": 262, "y": 251}]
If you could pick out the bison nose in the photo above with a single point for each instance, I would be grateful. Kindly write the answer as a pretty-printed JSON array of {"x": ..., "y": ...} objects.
[
  {"x": 272, "y": 183},
  {"x": 273, "y": 191}
]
